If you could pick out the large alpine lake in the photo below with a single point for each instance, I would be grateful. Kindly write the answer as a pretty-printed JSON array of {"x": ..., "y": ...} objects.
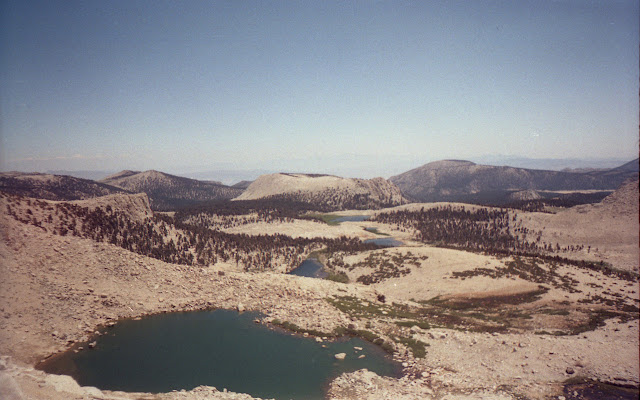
[{"x": 218, "y": 348}]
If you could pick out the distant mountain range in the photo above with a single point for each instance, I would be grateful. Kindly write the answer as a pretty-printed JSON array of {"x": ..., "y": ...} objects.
[
  {"x": 550, "y": 164},
  {"x": 447, "y": 180},
  {"x": 169, "y": 191},
  {"x": 459, "y": 180},
  {"x": 54, "y": 187}
]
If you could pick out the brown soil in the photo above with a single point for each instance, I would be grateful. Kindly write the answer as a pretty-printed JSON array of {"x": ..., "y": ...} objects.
[{"x": 58, "y": 290}]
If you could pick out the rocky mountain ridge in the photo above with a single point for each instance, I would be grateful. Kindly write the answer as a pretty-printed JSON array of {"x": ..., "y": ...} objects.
[
  {"x": 446, "y": 180},
  {"x": 168, "y": 191},
  {"x": 458, "y": 180},
  {"x": 54, "y": 187}
]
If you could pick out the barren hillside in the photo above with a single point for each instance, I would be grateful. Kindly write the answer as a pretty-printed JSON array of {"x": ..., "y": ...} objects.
[
  {"x": 463, "y": 324},
  {"x": 456, "y": 180},
  {"x": 54, "y": 187},
  {"x": 134, "y": 206},
  {"x": 169, "y": 191},
  {"x": 328, "y": 191},
  {"x": 608, "y": 231}
]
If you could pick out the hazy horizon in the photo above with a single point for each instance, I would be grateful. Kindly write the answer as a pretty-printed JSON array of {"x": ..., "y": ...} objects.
[
  {"x": 353, "y": 88},
  {"x": 229, "y": 176}
]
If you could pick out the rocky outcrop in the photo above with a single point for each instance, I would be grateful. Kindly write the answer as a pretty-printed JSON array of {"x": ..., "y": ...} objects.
[{"x": 340, "y": 356}]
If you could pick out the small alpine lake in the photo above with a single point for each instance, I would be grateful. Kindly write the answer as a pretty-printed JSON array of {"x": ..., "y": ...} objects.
[
  {"x": 351, "y": 218},
  {"x": 385, "y": 242},
  {"x": 221, "y": 348},
  {"x": 311, "y": 268}
]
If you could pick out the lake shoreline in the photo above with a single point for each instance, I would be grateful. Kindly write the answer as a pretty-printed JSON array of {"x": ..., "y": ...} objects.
[
  {"x": 57, "y": 289},
  {"x": 148, "y": 287},
  {"x": 226, "y": 336}
]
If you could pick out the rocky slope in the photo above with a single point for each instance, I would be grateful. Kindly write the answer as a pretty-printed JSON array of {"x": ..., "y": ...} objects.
[
  {"x": 624, "y": 200},
  {"x": 88, "y": 284},
  {"x": 609, "y": 230},
  {"x": 169, "y": 191},
  {"x": 455, "y": 180},
  {"x": 135, "y": 206},
  {"x": 630, "y": 168},
  {"x": 54, "y": 187},
  {"x": 326, "y": 191},
  {"x": 242, "y": 185}
]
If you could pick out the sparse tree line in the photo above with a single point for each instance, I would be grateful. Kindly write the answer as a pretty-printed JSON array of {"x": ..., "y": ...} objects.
[
  {"x": 494, "y": 231},
  {"x": 384, "y": 265},
  {"x": 274, "y": 208},
  {"x": 194, "y": 243},
  {"x": 227, "y": 214},
  {"x": 335, "y": 200},
  {"x": 487, "y": 230},
  {"x": 564, "y": 201},
  {"x": 231, "y": 221},
  {"x": 59, "y": 188},
  {"x": 172, "y": 240},
  {"x": 482, "y": 229}
]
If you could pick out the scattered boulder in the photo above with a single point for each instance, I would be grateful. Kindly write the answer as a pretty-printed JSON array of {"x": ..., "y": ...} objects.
[
  {"x": 340, "y": 356},
  {"x": 9, "y": 388}
]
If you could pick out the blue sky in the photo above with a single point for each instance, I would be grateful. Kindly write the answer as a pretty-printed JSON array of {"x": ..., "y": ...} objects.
[{"x": 198, "y": 85}]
